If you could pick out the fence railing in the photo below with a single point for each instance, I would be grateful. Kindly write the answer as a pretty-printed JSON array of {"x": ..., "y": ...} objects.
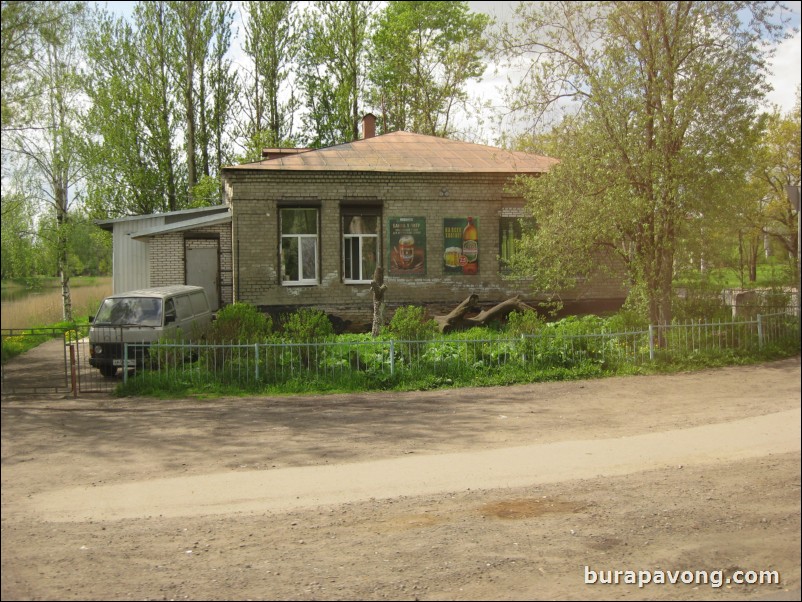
[{"x": 280, "y": 362}]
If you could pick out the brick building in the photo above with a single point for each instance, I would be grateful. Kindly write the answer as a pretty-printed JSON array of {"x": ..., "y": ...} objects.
[
  {"x": 192, "y": 246},
  {"x": 308, "y": 227}
]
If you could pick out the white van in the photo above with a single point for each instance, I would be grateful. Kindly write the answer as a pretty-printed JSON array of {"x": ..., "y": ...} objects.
[{"x": 145, "y": 316}]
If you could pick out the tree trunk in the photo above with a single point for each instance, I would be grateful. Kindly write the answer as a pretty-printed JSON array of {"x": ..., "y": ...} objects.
[
  {"x": 378, "y": 288},
  {"x": 62, "y": 251},
  {"x": 189, "y": 105}
]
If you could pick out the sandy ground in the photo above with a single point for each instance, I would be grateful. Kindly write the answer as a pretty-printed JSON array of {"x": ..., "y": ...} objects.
[{"x": 497, "y": 493}]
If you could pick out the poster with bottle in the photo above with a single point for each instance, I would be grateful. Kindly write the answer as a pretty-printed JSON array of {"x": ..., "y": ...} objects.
[
  {"x": 407, "y": 246},
  {"x": 461, "y": 245}
]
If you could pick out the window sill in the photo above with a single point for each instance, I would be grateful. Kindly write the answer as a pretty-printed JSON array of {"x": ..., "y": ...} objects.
[{"x": 300, "y": 283}]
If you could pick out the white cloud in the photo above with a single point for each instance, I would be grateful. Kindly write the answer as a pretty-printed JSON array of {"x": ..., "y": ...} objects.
[{"x": 785, "y": 68}]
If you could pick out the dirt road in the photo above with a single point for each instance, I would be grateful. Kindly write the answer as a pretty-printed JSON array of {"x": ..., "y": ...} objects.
[{"x": 497, "y": 493}]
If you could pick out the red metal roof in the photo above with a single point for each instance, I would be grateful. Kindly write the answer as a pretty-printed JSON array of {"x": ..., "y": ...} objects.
[{"x": 408, "y": 152}]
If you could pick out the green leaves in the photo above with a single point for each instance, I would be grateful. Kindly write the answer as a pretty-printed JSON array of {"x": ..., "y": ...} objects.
[
  {"x": 424, "y": 54},
  {"x": 661, "y": 136}
]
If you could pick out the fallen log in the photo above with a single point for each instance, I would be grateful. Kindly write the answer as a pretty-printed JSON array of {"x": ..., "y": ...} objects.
[
  {"x": 457, "y": 320},
  {"x": 447, "y": 322}
]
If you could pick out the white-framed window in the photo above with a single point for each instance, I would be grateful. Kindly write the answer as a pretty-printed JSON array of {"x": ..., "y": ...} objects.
[
  {"x": 360, "y": 246},
  {"x": 299, "y": 246}
]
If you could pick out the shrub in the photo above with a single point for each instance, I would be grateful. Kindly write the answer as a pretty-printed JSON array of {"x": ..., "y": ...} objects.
[
  {"x": 524, "y": 322},
  {"x": 410, "y": 324},
  {"x": 627, "y": 320},
  {"x": 701, "y": 300},
  {"x": 307, "y": 325},
  {"x": 240, "y": 322}
]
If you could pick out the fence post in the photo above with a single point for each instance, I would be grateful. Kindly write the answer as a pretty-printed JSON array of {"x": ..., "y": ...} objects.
[
  {"x": 256, "y": 350},
  {"x": 760, "y": 331},
  {"x": 125, "y": 362},
  {"x": 651, "y": 342},
  {"x": 73, "y": 375},
  {"x": 392, "y": 357}
]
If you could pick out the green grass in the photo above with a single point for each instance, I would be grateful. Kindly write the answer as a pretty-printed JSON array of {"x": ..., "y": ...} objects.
[
  {"x": 439, "y": 364},
  {"x": 29, "y": 338},
  {"x": 539, "y": 365},
  {"x": 42, "y": 282},
  {"x": 170, "y": 387},
  {"x": 770, "y": 274}
]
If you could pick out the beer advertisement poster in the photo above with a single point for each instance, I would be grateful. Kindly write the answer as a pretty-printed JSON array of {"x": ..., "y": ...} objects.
[
  {"x": 461, "y": 245},
  {"x": 407, "y": 246}
]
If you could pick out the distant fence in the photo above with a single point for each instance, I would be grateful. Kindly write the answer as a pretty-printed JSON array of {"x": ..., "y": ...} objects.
[{"x": 281, "y": 362}]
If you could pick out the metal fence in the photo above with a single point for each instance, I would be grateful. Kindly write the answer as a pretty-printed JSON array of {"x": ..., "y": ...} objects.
[
  {"x": 279, "y": 362},
  {"x": 50, "y": 360},
  {"x": 60, "y": 361}
]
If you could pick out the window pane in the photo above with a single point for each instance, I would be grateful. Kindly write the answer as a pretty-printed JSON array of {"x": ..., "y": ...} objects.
[
  {"x": 309, "y": 257},
  {"x": 368, "y": 256},
  {"x": 299, "y": 221},
  {"x": 351, "y": 250},
  {"x": 510, "y": 234},
  {"x": 184, "y": 307},
  {"x": 289, "y": 258},
  {"x": 360, "y": 224}
]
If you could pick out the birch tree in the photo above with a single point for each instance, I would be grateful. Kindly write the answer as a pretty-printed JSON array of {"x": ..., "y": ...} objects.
[{"x": 48, "y": 143}]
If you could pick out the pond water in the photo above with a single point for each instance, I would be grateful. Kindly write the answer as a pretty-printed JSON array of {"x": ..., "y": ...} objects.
[{"x": 26, "y": 308}]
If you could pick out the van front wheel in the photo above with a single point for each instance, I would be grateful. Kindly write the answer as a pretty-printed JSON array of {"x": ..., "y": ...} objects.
[{"x": 108, "y": 371}]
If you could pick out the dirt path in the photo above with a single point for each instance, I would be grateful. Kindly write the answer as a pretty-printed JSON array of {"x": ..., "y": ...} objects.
[{"x": 498, "y": 493}]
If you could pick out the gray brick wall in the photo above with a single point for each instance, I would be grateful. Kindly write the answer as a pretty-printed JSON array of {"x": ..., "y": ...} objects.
[{"x": 256, "y": 198}]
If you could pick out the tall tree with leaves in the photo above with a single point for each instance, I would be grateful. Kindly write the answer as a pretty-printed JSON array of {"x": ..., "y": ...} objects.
[
  {"x": 224, "y": 87},
  {"x": 217, "y": 89},
  {"x": 424, "y": 54},
  {"x": 271, "y": 34},
  {"x": 201, "y": 33},
  {"x": 155, "y": 32},
  {"x": 778, "y": 166},
  {"x": 142, "y": 103},
  {"x": 132, "y": 120},
  {"x": 18, "y": 236},
  {"x": 48, "y": 144},
  {"x": 25, "y": 26},
  {"x": 192, "y": 34},
  {"x": 666, "y": 91},
  {"x": 333, "y": 63}
]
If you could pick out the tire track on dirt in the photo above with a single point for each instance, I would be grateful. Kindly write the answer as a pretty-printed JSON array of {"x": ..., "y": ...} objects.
[{"x": 311, "y": 486}]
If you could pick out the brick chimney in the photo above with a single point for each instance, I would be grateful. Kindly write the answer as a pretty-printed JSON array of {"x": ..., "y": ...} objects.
[{"x": 368, "y": 126}]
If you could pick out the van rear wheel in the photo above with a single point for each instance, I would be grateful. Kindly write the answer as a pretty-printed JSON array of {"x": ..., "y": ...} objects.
[{"x": 108, "y": 371}]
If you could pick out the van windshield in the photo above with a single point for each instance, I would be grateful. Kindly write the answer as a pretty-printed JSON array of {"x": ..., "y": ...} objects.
[{"x": 139, "y": 311}]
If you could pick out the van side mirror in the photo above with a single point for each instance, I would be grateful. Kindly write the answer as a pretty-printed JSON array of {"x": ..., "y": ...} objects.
[
  {"x": 91, "y": 319},
  {"x": 169, "y": 318}
]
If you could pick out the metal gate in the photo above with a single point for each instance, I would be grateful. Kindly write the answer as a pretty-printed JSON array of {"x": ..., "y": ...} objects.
[{"x": 40, "y": 361}]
